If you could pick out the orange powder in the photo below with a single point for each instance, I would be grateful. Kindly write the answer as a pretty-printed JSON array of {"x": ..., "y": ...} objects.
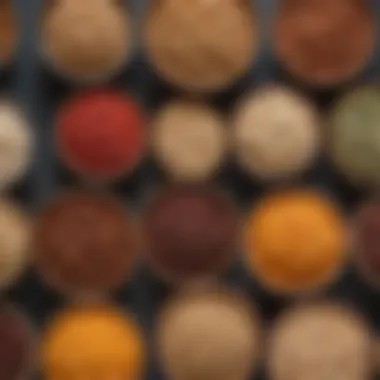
[
  {"x": 295, "y": 241},
  {"x": 92, "y": 343}
]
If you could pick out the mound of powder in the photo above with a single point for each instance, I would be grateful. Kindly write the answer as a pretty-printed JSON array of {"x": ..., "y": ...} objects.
[
  {"x": 296, "y": 241},
  {"x": 191, "y": 232},
  {"x": 87, "y": 41},
  {"x": 318, "y": 342},
  {"x": 201, "y": 45},
  {"x": 189, "y": 139},
  {"x": 84, "y": 243},
  {"x": 322, "y": 42},
  {"x": 17, "y": 144},
  {"x": 9, "y": 31},
  {"x": 366, "y": 233},
  {"x": 208, "y": 335},
  {"x": 100, "y": 134},
  {"x": 354, "y": 131},
  {"x": 276, "y": 133},
  {"x": 16, "y": 345},
  {"x": 92, "y": 342},
  {"x": 15, "y": 238}
]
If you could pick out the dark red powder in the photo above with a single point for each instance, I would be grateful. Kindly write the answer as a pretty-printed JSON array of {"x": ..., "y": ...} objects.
[
  {"x": 85, "y": 243},
  {"x": 15, "y": 345},
  {"x": 101, "y": 133},
  {"x": 367, "y": 234},
  {"x": 191, "y": 231}
]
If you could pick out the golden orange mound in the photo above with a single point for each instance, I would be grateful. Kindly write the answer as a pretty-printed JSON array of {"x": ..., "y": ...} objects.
[
  {"x": 296, "y": 241},
  {"x": 92, "y": 342}
]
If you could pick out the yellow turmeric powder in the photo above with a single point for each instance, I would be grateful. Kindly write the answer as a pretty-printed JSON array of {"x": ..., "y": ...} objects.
[
  {"x": 94, "y": 342},
  {"x": 295, "y": 241}
]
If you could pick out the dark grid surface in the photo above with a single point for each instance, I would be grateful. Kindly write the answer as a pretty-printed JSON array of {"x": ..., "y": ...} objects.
[{"x": 40, "y": 93}]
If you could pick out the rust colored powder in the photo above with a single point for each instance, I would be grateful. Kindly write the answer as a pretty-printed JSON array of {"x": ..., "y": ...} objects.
[
  {"x": 201, "y": 45},
  {"x": 367, "y": 239},
  {"x": 15, "y": 345},
  {"x": 324, "y": 42},
  {"x": 296, "y": 241},
  {"x": 191, "y": 231},
  {"x": 84, "y": 243},
  {"x": 8, "y": 30}
]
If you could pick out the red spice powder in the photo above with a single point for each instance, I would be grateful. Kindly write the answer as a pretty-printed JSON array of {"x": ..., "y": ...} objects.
[
  {"x": 15, "y": 345},
  {"x": 191, "y": 231},
  {"x": 367, "y": 238},
  {"x": 100, "y": 134}
]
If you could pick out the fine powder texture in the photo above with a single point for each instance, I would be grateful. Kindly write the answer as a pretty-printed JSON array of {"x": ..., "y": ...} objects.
[
  {"x": 367, "y": 240},
  {"x": 86, "y": 40},
  {"x": 101, "y": 134},
  {"x": 16, "y": 142},
  {"x": 201, "y": 45},
  {"x": 189, "y": 139},
  {"x": 84, "y": 243},
  {"x": 296, "y": 241},
  {"x": 355, "y": 136},
  {"x": 208, "y": 336},
  {"x": 97, "y": 342},
  {"x": 276, "y": 133},
  {"x": 9, "y": 31},
  {"x": 320, "y": 342},
  {"x": 15, "y": 236},
  {"x": 324, "y": 42},
  {"x": 191, "y": 232},
  {"x": 16, "y": 345}
]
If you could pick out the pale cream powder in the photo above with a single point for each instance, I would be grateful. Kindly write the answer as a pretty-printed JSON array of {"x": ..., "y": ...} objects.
[
  {"x": 189, "y": 139},
  {"x": 276, "y": 132}
]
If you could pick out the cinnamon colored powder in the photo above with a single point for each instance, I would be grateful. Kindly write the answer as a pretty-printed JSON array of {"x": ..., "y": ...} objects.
[
  {"x": 9, "y": 30},
  {"x": 296, "y": 241},
  {"x": 84, "y": 243},
  {"x": 324, "y": 42},
  {"x": 201, "y": 45}
]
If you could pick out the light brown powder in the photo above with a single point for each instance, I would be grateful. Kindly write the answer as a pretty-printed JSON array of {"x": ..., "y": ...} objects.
[
  {"x": 89, "y": 41},
  {"x": 201, "y": 45}
]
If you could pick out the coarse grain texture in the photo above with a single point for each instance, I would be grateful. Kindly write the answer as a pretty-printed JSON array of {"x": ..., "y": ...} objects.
[
  {"x": 191, "y": 232},
  {"x": 354, "y": 136},
  {"x": 202, "y": 45},
  {"x": 324, "y": 43},
  {"x": 97, "y": 342},
  {"x": 15, "y": 238},
  {"x": 17, "y": 345},
  {"x": 100, "y": 134},
  {"x": 86, "y": 41},
  {"x": 276, "y": 132},
  {"x": 296, "y": 241},
  {"x": 320, "y": 341},
  {"x": 366, "y": 240},
  {"x": 16, "y": 142},
  {"x": 85, "y": 243},
  {"x": 189, "y": 139},
  {"x": 9, "y": 32},
  {"x": 208, "y": 334}
]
